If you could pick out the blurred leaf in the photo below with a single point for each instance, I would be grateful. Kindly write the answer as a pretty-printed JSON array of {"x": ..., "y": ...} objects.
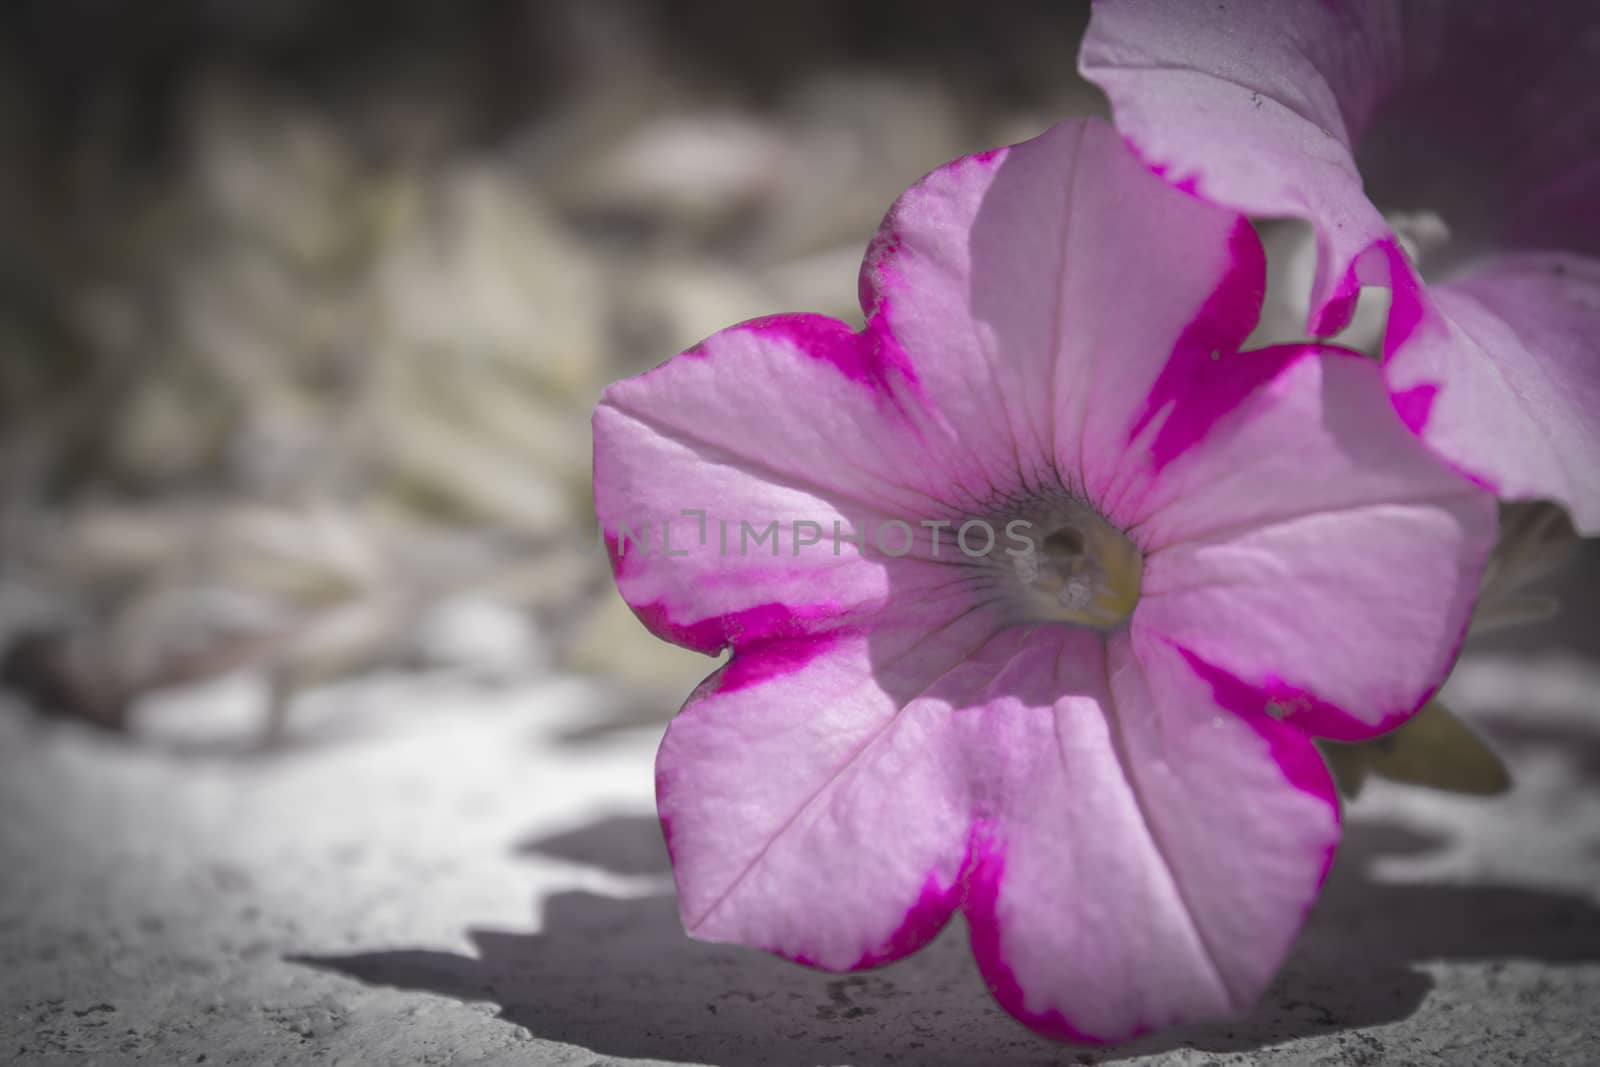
[{"x": 1433, "y": 748}]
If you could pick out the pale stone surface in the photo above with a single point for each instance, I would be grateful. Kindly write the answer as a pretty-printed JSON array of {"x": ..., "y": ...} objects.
[{"x": 462, "y": 873}]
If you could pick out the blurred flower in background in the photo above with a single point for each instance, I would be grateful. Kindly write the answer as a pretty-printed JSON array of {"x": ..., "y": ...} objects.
[{"x": 304, "y": 307}]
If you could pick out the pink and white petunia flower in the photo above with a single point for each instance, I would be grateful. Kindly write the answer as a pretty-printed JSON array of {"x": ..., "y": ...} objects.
[
  {"x": 1475, "y": 125},
  {"x": 1036, "y": 590}
]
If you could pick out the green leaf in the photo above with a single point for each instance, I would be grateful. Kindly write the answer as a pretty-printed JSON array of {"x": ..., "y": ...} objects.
[{"x": 1433, "y": 748}]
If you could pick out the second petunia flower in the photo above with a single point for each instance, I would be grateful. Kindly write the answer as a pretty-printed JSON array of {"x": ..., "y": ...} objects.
[
  {"x": 1475, "y": 125},
  {"x": 1130, "y": 573}
]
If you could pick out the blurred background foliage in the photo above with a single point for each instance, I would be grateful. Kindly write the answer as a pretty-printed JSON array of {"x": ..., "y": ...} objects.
[{"x": 304, "y": 305}]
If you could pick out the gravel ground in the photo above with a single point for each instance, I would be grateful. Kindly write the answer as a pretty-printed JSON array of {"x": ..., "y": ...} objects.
[{"x": 442, "y": 871}]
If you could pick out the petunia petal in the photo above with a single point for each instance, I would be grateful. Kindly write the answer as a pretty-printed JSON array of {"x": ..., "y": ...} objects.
[
  {"x": 1257, "y": 107},
  {"x": 1502, "y": 375},
  {"x": 1312, "y": 549},
  {"x": 986, "y": 280},
  {"x": 1129, "y": 853},
  {"x": 773, "y": 434},
  {"x": 1146, "y": 855},
  {"x": 822, "y": 812},
  {"x": 1480, "y": 113},
  {"x": 1476, "y": 117},
  {"x": 1044, "y": 295}
]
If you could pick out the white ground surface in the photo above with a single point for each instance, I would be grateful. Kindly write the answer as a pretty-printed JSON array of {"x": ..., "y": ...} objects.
[{"x": 442, "y": 872}]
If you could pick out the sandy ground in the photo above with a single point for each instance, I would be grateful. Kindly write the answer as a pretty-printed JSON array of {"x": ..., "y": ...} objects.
[{"x": 441, "y": 871}]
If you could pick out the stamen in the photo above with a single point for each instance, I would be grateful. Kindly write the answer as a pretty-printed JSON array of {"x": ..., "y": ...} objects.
[
  {"x": 1077, "y": 594},
  {"x": 1422, "y": 233}
]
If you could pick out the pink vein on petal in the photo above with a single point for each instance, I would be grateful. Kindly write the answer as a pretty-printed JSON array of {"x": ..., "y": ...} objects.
[
  {"x": 760, "y": 623},
  {"x": 1290, "y": 747},
  {"x": 1408, "y": 307},
  {"x": 1414, "y": 405},
  {"x": 1340, "y": 308},
  {"x": 1205, "y": 377},
  {"x": 984, "y": 872},
  {"x": 772, "y": 659},
  {"x": 862, "y": 357},
  {"x": 926, "y": 916},
  {"x": 1305, "y": 712}
]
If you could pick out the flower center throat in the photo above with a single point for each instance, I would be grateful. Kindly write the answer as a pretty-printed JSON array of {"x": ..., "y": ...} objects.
[{"x": 1073, "y": 566}]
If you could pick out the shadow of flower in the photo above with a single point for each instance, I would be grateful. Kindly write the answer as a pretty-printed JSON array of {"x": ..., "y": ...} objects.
[
  {"x": 620, "y": 844},
  {"x": 619, "y": 977}
]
